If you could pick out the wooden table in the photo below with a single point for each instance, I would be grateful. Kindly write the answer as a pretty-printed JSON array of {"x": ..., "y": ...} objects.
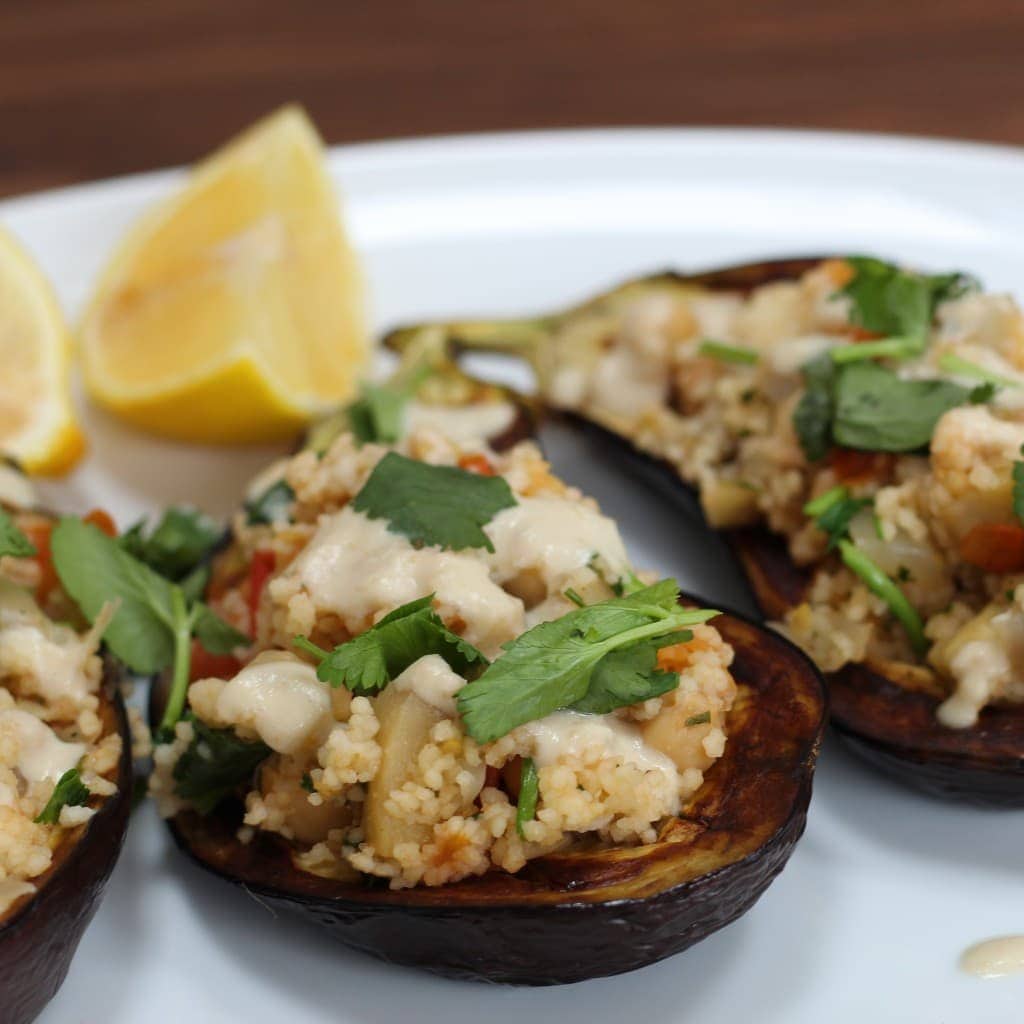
[{"x": 90, "y": 89}]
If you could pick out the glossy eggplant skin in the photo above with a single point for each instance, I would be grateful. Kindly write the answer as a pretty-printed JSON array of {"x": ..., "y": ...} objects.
[
  {"x": 38, "y": 938},
  {"x": 893, "y": 727},
  {"x": 597, "y": 912}
]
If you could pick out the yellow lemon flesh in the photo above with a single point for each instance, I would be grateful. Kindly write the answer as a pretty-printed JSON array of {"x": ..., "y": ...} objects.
[
  {"x": 37, "y": 424},
  {"x": 233, "y": 312}
]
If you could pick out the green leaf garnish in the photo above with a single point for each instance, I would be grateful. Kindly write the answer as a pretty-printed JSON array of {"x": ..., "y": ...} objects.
[
  {"x": 727, "y": 353},
  {"x": 214, "y": 765},
  {"x": 833, "y": 511},
  {"x": 441, "y": 505},
  {"x": 895, "y": 303},
  {"x": 878, "y": 411},
  {"x": 812, "y": 417},
  {"x": 1018, "y": 488},
  {"x": 178, "y": 543},
  {"x": 271, "y": 506},
  {"x": 376, "y": 415},
  {"x": 526, "y": 806},
  {"x": 154, "y": 623},
  {"x": 552, "y": 665},
  {"x": 368, "y": 662},
  {"x": 882, "y": 586},
  {"x": 70, "y": 791},
  {"x": 12, "y": 541}
]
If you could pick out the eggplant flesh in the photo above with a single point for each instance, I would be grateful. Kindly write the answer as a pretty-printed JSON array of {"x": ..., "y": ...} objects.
[
  {"x": 598, "y": 911},
  {"x": 39, "y": 934},
  {"x": 891, "y": 726}
]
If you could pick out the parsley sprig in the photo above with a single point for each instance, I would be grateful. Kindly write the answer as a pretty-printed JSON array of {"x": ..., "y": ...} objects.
[
  {"x": 155, "y": 620},
  {"x": 70, "y": 791},
  {"x": 368, "y": 662},
  {"x": 594, "y": 658}
]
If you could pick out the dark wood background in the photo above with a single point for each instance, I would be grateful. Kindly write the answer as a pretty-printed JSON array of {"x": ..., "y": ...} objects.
[{"x": 90, "y": 88}]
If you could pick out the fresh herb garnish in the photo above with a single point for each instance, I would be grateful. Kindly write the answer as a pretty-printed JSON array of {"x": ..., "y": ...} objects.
[
  {"x": 368, "y": 662},
  {"x": 702, "y": 719},
  {"x": 812, "y": 417},
  {"x": 214, "y": 765},
  {"x": 1018, "y": 488},
  {"x": 882, "y": 586},
  {"x": 70, "y": 791},
  {"x": 441, "y": 505},
  {"x": 154, "y": 623},
  {"x": 574, "y": 597},
  {"x": 950, "y": 362},
  {"x": 12, "y": 541},
  {"x": 727, "y": 353},
  {"x": 552, "y": 665},
  {"x": 833, "y": 511},
  {"x": 897, "y": 304},
  {"x": 376, "y": 415},
  {"x": 177, "y": 544},
  {"x": 271, "y": 506},
  {"x": 526, "y": 805}
]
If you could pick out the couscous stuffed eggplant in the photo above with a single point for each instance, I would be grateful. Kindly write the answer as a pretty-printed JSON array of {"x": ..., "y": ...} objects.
[
  {"x": 855, "y": 432},
  {"x": 65, "y": 766},
  {"x": 465, "y": 735}
]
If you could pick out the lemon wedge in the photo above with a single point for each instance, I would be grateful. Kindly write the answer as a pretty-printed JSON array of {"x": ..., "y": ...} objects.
[
  {"x": 37, "y": 424},
  {"x": 233, "y": 311}
]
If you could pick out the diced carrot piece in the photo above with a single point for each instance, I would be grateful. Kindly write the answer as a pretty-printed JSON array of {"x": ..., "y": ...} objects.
[
  {"x": 38, "y": 532},
  {"x": 994, "y": 547},
  {"x": 839, "y": 272},
  {"x": 477, "y": 463},
  {"x": 102, "y": 520},
  {"x": 205, "y": 665}
]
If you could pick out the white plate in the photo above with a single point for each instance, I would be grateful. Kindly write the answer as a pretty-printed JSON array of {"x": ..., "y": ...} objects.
[{"x": 886, "y": 887}]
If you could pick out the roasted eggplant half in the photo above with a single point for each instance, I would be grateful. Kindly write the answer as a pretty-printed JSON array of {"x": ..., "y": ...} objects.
[
  {"x": 823, "y": 415},
  {"x": 57, "y": 861},
  {"x": 394, "y": 785}
]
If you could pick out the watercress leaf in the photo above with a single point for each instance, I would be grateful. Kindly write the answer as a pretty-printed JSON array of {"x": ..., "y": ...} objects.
[
  {"x": 12, "y": 541},
  {"x": 878, "y": 411},
  {"x": 213, "y": 632},
  {"x": 94, "y": 569},
  {"x": 180, "y": 540},
  {"x": 193, "y": 586},
  {"x": 272, "y": 506},
  {"x": 812, "y": 417},
  {"x": 630, "y": 675},
  {"x": 70, "y": 791},
  {"x": 214, "y": 765},
  {"x": 551, "y": 665},
  {"x": 441, "y": 505},
  {"x": 529, "y": 791},
  {"x": 368, "y": 662}
]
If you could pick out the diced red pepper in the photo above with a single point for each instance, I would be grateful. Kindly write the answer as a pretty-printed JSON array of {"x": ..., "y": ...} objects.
[
  {"x": 854, "y": 467},
  {"x": 261, "y": 569},
  {"x": 204, "y": 664},
  {"x": 994, "y": 547}
]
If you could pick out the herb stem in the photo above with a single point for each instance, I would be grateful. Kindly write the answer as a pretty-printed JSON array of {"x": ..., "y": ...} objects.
[
  {"x": 727, "y": 353},
  {"x": 823, "y": 502},
  {"x": 882, "y": 586},
  {"x": 526, "y": 806},
  {"x": 950, "y": 362},
  {"x": 891, "y": 348},
  {"x": 182, "y": 627}
]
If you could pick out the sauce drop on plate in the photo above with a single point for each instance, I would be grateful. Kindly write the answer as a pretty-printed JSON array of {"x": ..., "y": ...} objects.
[{"x": 995, "y": 958}]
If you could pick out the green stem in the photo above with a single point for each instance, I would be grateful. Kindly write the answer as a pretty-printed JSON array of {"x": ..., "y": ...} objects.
[
  {"x": 823, "y": 502},
  {"x": 950, "y": 362},
  {"x": 182, "y": 626},
  {"x": 307, "y": 645},
  {"x": 882, "y": 586},
  {"x": 891, "y": 348},
  {"x": 727, "y": 353}
]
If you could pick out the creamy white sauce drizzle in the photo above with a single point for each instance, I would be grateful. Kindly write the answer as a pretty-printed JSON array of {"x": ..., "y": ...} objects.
[
  {"x": 41, "y": 755},
  {"x": 995, "y": 958},
  {"x": 433, "y": 681},
  {"x": 280, "y": 698}
]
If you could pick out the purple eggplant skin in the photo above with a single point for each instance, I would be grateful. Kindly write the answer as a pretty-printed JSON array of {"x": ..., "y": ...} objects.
[
  {"x": 599, "y": 911},
  {"x": 891, "y": 726},
  {"x": 39, "y": 936}
]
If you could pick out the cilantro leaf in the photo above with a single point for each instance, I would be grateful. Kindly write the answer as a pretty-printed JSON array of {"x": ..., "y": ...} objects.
[
  {"x": 441, "y": 505},
  {"x": 215, "y": 764},
  {"x": 12, "y": 541},
  {"x": 551, "y": 666},
  {"x": 878, "y": 411},
  {"x": 178, "y": 543},
  {"x": 1018, "y": 488},
  {"x": 271, "y": 506},
  {"x": 630, "y": 675},
  {"x": 367, "y": 663},
  {"x": 70, "y": 791},
  {"x": 529, "y": 791},
  {"x": 376, "y": 415},
  {"x": 833, "y": 511},
  {"x": 812, "y": 417},
  {"x": 897, "y": 304}
]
